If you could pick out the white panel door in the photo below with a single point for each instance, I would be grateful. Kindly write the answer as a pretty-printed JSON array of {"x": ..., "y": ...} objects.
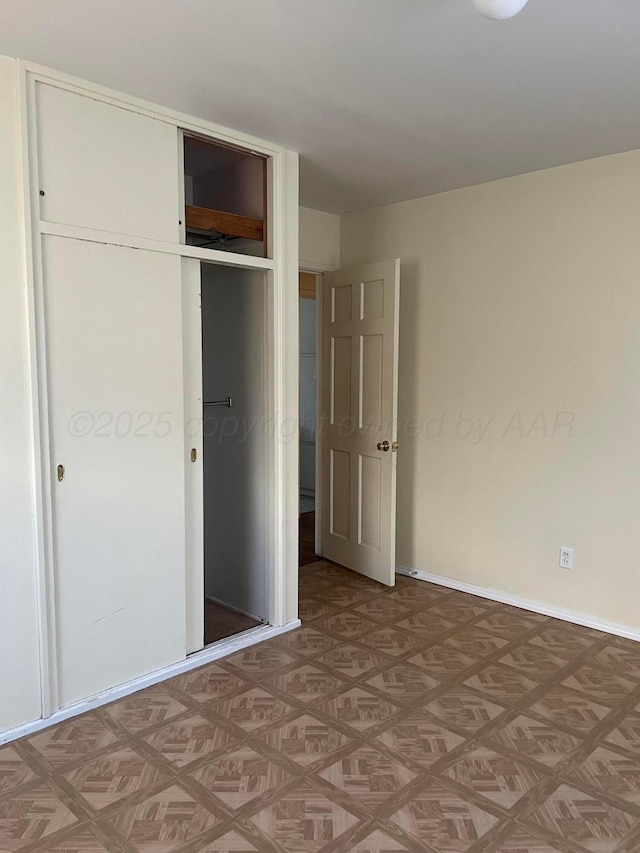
[
  {"x": 115, "y": 377},
  {"x": 360, "y": 390},
  {"x": 104, "y": 167}
]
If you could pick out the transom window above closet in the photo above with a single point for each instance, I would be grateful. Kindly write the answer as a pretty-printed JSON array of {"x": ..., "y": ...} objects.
[{"x": 225, "y": 198}]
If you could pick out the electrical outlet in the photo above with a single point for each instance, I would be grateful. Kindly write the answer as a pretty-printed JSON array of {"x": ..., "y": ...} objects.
[{"x": 566, "y": 558}]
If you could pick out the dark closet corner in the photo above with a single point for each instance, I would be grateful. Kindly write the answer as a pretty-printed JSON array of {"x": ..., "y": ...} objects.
[{"x": 221, "y": 622}]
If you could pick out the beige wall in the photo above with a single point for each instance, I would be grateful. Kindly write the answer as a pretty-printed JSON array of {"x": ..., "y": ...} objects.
[
  {"x": 520, "y": 303},
  {"x": 319, "y": 240}
]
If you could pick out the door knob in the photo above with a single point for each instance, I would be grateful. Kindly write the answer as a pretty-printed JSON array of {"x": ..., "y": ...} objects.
[{"x": 384, "y": 445}]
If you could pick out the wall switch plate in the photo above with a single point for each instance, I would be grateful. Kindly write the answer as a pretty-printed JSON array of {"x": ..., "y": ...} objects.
[{"x": 566, "y": 558}]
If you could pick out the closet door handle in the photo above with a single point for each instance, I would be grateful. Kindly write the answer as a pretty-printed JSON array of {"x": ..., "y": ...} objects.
[
  {"x": 60, "y": 473},
  {"x": 194, "y": 454}
]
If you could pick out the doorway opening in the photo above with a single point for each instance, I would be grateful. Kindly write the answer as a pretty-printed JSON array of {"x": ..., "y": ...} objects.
[
  {"x": 357, "y": 370},
  {"x": 310, "y": 485},
  {"x": 233, "y": 450},
  {"x": 225, "y": 208}
]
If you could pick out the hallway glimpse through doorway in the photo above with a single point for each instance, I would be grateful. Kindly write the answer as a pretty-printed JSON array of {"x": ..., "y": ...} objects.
[{"x": 307, "y": 540}]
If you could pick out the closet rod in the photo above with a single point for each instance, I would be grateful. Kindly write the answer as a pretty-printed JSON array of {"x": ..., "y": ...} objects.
[{"x": 228, "y": 402}]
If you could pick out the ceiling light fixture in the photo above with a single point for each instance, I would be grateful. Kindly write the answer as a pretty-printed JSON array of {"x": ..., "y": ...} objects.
[{"x": 499, "y": 10}]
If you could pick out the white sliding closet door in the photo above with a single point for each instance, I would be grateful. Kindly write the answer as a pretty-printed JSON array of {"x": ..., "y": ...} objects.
[
  {"x": 104, "y": 167},
  {"x": 115, "y": 381}
]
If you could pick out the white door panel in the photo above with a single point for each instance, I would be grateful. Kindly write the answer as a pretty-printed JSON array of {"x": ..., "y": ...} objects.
[
  {"x": 114, "y": 348},
  {"x": 104, "y": 167},
  {"x": 360, "y": 395}
]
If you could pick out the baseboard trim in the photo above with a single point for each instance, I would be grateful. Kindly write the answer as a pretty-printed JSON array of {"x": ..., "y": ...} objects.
[
  {"x": 212, "y": 653},
  {"x": 576, "y": 618}
]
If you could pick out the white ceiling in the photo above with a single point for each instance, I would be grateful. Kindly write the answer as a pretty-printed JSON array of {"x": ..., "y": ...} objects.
[{"x": 384, "y": 99}]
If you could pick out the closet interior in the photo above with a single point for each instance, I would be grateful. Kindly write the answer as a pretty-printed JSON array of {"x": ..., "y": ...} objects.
[
  {"x": 225, "y": 209},
  {"x": 225, "y": 198},
  {"x": 234, "y": 450}
]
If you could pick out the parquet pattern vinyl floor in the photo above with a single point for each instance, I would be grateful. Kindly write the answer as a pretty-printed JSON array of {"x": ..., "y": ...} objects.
[{"x": 394, "y": 720}]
